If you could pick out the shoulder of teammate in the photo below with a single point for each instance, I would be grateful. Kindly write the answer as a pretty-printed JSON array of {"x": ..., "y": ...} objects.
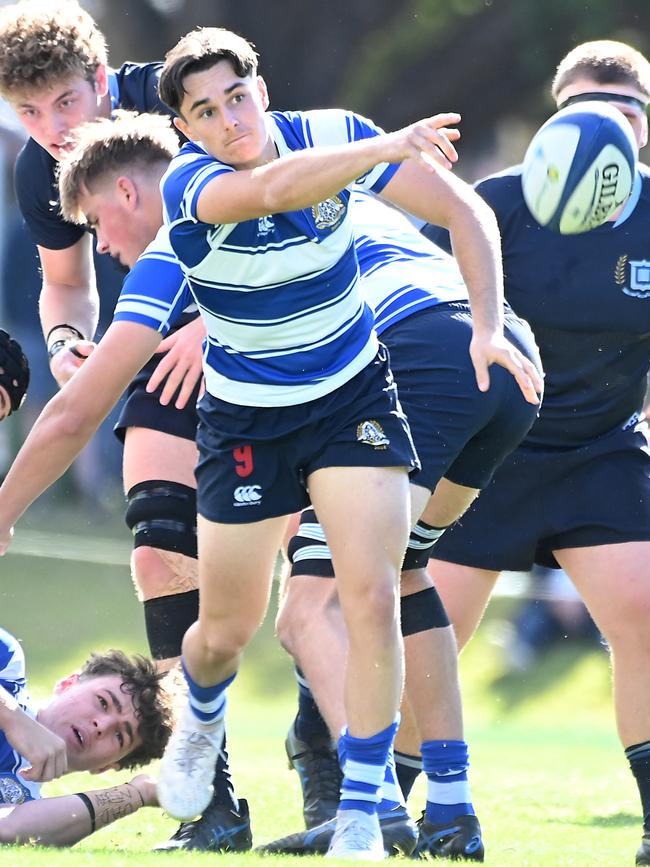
[
  {"x": 155, "y": 292},
  {"x": 137, "y": 85},
  {"x": 181, "y": 185},
  {"x": 37, "y": 195},
  {"x": 329, "y": 127}
]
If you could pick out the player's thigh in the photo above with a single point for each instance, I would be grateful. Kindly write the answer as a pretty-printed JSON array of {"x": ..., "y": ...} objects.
[
  {"x": 152, "y": 454},
  {"x": 236, "y": 566},
  {"x": 614, "y": 582},
  {"x": 465, "y": 592},
  {"x": 365, "y": 513}
]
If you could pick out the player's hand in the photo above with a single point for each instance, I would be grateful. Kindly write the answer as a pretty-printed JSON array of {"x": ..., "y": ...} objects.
[
  {"x": 146, "y": 785},
  {"x": 181, "y": 366},
  {"x": 496, "y": 349},
  {"x": 5, "y": 540},
  {"x": 69, "y": 359},
  {"x": 428, "y": 142},
  {"x": 45, "y": 751}
]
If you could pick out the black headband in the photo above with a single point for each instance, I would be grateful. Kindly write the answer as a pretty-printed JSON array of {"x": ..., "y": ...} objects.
[{"x": 604, "y": 97}]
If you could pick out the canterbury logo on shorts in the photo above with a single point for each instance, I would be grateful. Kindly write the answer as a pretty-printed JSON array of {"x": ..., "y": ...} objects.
[{"x": 247, "y": 495}]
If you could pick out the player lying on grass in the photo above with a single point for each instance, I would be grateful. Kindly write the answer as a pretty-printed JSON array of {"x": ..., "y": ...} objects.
[
  {"x": 14, "y": 375},
  {"x": 112, "y": 714}
]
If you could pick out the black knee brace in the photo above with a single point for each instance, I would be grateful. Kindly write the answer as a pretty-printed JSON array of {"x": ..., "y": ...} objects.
[
  {"x": 308, "y": 551},
  {"x": 422, "y": 611},
  {"x": 167, "y": 619},
  {"x": 162, "y": 514},
  {"x": 422, "y": 539}
]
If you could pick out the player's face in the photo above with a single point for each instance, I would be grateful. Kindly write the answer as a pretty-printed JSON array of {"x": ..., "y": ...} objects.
[
  {"x": 637, "y": 118},
  {"x": 50, "y": 115},
  {"x": 123, "y": 229},
  {"x": 5, "y": 405},
  {"x": 226, "y": 114},
  {"x": 96, "y": 719}
]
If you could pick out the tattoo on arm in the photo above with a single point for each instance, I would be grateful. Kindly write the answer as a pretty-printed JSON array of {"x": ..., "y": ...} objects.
[{"x": 115, "y": 803}]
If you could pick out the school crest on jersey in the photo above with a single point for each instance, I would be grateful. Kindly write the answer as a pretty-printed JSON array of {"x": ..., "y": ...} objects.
[
  {"x": 12, "y": 790},
  {"x": 329, "y": 213},
  {"x": 265, "y": 225},
  {"x": 372, "y": 433},
  {"x": 633, "y": 276}
]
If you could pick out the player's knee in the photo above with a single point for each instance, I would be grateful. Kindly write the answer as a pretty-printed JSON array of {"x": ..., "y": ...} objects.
[
  {"x": 162, "y": 514},
  {"x": 372, "y": 610},
  {"x": 308, "y": 600},
  {"x": 227, "y": 642},
  {"x": 159, "y": 573}
]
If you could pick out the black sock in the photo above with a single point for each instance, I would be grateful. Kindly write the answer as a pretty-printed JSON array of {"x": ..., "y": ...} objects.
[
  {"x": 309, "y": 722},
  {"x": 224, "y": 791},
  {"x": 408, "y": 769},
  {"x": 638, "y": 756}
]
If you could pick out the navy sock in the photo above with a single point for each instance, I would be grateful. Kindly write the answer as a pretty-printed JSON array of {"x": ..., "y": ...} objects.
[
  {"x": 408, "y": 769},
  {"x": 309, "y": 724},
  {"x": 638, "y": 756}
]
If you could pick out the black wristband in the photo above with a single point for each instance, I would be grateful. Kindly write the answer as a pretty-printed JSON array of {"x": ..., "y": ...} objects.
[
  {"x": 91, "y": 810},
  {"x": 57, "y": 346},
  {"x": 70, "y": 328}
]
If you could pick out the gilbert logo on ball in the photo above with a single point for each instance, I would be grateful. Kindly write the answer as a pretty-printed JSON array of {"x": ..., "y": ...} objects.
[{"x": 579, "y": 167}]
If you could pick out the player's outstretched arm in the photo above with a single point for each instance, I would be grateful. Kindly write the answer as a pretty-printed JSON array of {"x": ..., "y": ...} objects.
[
  {"x": 65, "y": 820},
  {"x": 300, "y": 179},
  {"x": 439, "y": 197},
  {"x": 71, "y": 418}
]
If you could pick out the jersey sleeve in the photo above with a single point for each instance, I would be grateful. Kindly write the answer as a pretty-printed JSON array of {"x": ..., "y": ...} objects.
[
  {"x": 189, "y": 173},
  {"x": 38, "y": 200},
  {"x": 335, "y": 127},
  {"x": 155, "y": 292}
]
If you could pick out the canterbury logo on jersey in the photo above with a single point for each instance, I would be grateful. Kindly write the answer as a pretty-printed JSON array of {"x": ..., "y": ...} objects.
[{"x": 247, "y": 495}]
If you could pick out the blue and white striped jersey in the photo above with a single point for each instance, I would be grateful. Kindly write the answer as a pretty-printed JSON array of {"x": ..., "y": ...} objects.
[
  {"x": 13, "y": 788},
  {"x": 401, "y": 271},
  {"x": 279, "y": 295}
]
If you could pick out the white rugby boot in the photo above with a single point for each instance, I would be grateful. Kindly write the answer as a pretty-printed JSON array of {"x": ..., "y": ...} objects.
[
  {"x": 357, "y": 837},
  {"x": 187, "y": 767}
]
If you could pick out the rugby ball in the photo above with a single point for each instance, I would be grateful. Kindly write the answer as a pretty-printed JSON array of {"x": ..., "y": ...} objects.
[{"x": 579, "y": 167}]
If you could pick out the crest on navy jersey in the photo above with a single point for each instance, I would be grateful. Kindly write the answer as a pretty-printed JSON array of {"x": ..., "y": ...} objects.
[
  {"x": 372, "y": 433},
  {"x": 12, "y": 791},
  {"x": 635, "y": 280},
  {"x": 265, "y": 225},
  {"x": 329, "y": 213}
]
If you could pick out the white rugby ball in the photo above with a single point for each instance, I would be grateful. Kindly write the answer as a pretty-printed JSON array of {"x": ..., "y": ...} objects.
[{"x": 579, "y": 167}]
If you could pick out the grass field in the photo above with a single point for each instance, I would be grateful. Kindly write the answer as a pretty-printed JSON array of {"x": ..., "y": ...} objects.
[{"x": 549, "y": 779}]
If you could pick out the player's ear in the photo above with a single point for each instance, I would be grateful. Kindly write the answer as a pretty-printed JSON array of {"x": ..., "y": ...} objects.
[
  {"x": 127, "y": 192},
  {"x": 101, "y": 80},
  {"x": 263, "y": 92},
  {"x": 182, "y": 127},
  {"x": 66, "y": 683}
]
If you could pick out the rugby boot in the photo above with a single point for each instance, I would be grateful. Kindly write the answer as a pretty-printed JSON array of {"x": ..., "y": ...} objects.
[
  {"x": 357, "y": 837},
  {"x": 319, "y": 772},
  {"x": 398, "y": 830},
  {"x": 458, "y": 840},
  {"x": 643, "y": 852},
  {"x": 221, "y": 828}
]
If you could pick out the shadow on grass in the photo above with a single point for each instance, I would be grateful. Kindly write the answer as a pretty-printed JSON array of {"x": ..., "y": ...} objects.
[{"x": 616, "y": 820}]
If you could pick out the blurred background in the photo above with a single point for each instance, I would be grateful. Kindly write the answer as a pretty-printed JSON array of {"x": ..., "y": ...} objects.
[{"x": 491, "y": 60}]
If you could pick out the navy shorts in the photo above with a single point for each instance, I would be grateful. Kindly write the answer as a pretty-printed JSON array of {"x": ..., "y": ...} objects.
[
  {"x": 142, "y": 409},
  {"x": 460, "y": 433},
  {"x": 254, "y": 462},
  {"x": 544, "y": 501}
]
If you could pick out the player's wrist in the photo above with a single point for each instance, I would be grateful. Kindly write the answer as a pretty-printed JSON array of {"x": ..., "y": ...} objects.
[{"x": 59, "y": 336}]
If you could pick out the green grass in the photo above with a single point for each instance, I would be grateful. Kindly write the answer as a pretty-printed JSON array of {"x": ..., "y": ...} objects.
[{"x": 549, "y": 779}]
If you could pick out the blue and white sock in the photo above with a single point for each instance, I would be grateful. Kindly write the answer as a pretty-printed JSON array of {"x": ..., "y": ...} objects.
[
  {"x": 309, "y": 722},
  {"x": 207, "y": 703},
  {"x": 448, "y": 793},
  {"x": 363, "y": 761},
  {"x": 391, "y": 793}
]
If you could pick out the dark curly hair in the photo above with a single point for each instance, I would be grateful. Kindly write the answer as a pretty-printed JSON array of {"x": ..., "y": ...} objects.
[{"x": 151, "y": 702}]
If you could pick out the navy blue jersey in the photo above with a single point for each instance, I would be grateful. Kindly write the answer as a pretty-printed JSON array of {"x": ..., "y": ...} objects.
[
  {"x": 587, "y": 299},
  {"x": 135, "y": 87}
]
